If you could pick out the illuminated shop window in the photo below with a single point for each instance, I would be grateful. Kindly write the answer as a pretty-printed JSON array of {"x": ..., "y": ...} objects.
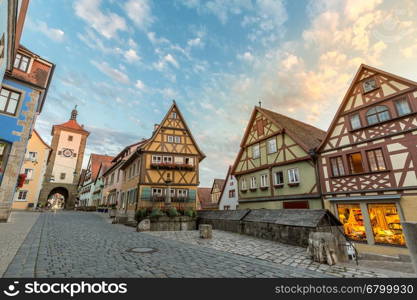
[
  {"x": 350, "y": 215},
  {"x": 386, "y": 224}
]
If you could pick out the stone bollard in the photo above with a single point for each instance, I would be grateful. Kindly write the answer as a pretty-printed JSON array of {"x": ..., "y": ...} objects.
[
  {"x": 144, "y": 225},
  {"x": 410, "y": 233},
  {"x": 205, "y": 231}
]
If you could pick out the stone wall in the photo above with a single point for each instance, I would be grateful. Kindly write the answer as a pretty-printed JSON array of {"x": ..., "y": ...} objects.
[
  {"x": 173, "y": 224},
  {"x": 289, "y": 226}
]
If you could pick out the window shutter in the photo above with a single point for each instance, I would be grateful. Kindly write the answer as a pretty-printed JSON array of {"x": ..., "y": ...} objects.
[
  {"x": 191, "y": 195},
  {"x": 146, "y": 194}
]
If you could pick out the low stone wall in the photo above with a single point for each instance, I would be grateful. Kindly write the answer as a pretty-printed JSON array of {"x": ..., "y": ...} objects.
[
  {"x": 289, "y": 226},
  {"x": 173, "y": 224}
]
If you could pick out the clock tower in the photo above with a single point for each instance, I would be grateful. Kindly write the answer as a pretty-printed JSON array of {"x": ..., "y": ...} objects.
[{"x": 65, "y": 162}]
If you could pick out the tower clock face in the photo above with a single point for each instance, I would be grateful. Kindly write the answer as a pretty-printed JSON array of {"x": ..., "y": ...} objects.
[{"x": 67, "y": 152}]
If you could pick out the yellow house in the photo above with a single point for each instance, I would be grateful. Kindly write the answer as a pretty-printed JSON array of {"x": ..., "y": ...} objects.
[
  {"x": 34, "y": 166},
  {"x": 163, "y": 169}
]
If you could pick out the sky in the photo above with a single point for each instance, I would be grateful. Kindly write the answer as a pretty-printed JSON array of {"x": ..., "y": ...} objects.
[{"x": 123, "y": 62}]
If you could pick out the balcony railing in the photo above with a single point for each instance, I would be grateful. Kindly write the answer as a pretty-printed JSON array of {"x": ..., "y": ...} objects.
[{"x": 172, "y": 166}]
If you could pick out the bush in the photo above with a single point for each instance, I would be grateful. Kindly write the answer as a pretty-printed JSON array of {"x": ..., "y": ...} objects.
[
  {"x": 172, "y": 212},
  {"x": 141, "y": 214},
  {"x": 190, "y": 213},
  {"x": 156, "y": 213}
]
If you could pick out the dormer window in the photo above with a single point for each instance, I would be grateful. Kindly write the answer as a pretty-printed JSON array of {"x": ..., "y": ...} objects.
[
  {"x": 377, "y": 114},
  {"x": 369, "y": 85},
  {"x": 21, "y": 62}
]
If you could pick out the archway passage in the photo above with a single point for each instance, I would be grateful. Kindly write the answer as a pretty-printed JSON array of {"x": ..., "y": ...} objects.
[{"x": 57, "y": 198}]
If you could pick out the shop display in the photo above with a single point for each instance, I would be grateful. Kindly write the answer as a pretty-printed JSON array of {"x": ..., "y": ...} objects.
[
  {"x": 350, "y": 215},
  {"x": 386, "y": 224}
]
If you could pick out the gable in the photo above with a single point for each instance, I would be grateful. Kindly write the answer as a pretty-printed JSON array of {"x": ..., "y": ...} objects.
[{"x": 259, "y": 128}]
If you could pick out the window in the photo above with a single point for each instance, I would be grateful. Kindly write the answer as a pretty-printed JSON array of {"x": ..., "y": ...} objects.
[
  {"x": 279, "y": 178},
  {"x": 9, "y": 101},
  {"x": 177, "y": 139},
  {"x": 355, "y": 163},
  {"x": 174, "y": 115},
  {"x": 386, "y": 224},
  {"x": 22, "y": 195},
  {"x": 62, "y": 176},
  {"x": 29, "y": 174},
  {"x": 369, "y": 85},
  {"x": 337, "y": 166},
  {"x": 264, "y": 180},
  {"x": 156, "y": 192},
  {"x": 253, "y": 183},
  {"x": 376, "y": 160},
  {"x": 350, "y": 215},
  {"x": 377, "y": 114},
  {"x": 226, "y": 207},
  {"x": 170, "y": 138},
  {"x": 255, "y": 151},
  {"x": 182, "y": 193},
  {"x": 21, "y": 62},
  {"x": 70, "y": 138},
  {"x": 167, "y": 159},
  {"x": 189, "y": 161},
  {"x": 355, "y": 121},
  {"x": 293, "y": 176},
  {"x": 403, "y": 107},
  {"x": 32, "y": 156},
  {"x": 156, "y": 159},
  {"x": 232, "y": 193},
  {"x": 272, "y": 146},
  {"x": 243, "y": 185}
]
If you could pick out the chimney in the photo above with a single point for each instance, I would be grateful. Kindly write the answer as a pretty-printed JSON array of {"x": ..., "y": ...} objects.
[{"x": 155, "y": 127}]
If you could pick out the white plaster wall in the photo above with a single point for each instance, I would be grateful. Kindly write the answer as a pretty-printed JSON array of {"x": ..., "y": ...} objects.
[
  {"x": 64, "y": 164},
  {"x": 225, "y": 200}
]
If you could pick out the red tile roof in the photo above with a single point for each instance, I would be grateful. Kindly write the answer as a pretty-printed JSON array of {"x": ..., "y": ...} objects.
[
  {"x": 204, "y": 197},
  {"x": 96, "y": 160},
  {"x": 71, "y": 124}
]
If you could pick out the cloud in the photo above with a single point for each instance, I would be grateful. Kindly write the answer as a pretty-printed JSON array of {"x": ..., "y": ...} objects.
[
  {"x": 247, "y": 56},
  {"x": 54, "y": 34},
  {"x": 139, "y": 11},
  {"x": 113, "y": 73},
  {"x": 107, "y": 24},
  {"x": 131, "y": 56},
  {"x": 140, "y": 85},
  {"x": 163, "y": 62},
  {"x": 154, "y": 40}
]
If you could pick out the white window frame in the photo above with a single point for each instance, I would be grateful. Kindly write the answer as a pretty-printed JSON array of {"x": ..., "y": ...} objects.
[
  {"x": 156, "y": 159},
  {"x": 182, "y": 193},
  {"x": 157, "y": 192},
  {"x": 25, "y": 193},
  {"x": 293, "y": 176},
  {"x": 264, "y": 180},
  {"x": 190, "y": 161},
  {"x": 170, "y": 138},
  {"x": 32, "y": 157},
  {"x": 179, "y": 160},
  {"x": 167, "y": 159},
  {"x": 29, "y": 171},
  {"x": 177, "y": 139},
  {"x": 272, "y": 142},
  {"x": 243, "y": 186},
  {"x": 173, "y": 115},
  {"x": 276, "y": 178},
  {"x": 253, "y": 183},
  {"x": 256, "y": 150}
]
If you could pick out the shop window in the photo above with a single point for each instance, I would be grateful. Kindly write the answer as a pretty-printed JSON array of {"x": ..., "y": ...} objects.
[
  {"x": 386, "y": 224},
  {"x": 376, "y": 160},
  {"x": 350, "y": 215},
  {"x": 337, "y": 166},
  {"x": 355, "y": 163}
]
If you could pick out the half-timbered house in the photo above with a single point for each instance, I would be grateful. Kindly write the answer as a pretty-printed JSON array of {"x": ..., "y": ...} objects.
[
  {"x": 164, "y": 170},
  {"x": 368, "y": 160},
  {"x": 275, "y": 167}
]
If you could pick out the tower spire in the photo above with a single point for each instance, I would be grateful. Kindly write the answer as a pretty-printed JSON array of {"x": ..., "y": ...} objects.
[{"x": 74, "y": 113}]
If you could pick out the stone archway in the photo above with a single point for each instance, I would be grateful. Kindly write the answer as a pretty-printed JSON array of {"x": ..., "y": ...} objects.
[
  {"x": 68, "y": 191},
  {"x": 58, "y": 195}
]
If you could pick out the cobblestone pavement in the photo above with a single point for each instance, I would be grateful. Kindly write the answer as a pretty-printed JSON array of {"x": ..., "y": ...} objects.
[
  {"x": 272, "y": 252},
  {"x": 12, "y": 235},
  {"x": 82, "y": 244}
]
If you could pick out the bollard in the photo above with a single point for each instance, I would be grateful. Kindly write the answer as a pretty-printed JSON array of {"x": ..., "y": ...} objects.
[
  {"x": 205, "y": 231},
  {"x": 410, "y": 233}
]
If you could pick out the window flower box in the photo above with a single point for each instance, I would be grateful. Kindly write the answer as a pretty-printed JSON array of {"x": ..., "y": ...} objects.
[
  {"x": 293, "y": 184},
  {"x": 263, "y": 188},
  {"x": 279, "y": 186},
  {"x": 253, "y": 189}
]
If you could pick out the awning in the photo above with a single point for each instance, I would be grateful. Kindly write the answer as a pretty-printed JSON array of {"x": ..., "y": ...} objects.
[{"x": 365, "y": 198}]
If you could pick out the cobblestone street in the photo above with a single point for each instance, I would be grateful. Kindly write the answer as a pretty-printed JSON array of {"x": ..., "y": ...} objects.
[{"x": 79, "y": 244}]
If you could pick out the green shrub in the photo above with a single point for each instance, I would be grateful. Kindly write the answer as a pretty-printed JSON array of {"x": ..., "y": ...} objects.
[
  {"x": 190, "y": 213},
  {"x": 156, "y": 212},
  {"x": 141, "y": 214},
  {"x": 172, "y": 212}
]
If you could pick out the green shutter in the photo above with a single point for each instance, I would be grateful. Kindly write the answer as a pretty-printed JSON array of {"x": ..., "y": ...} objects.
[
  {"x": 146, "y": 194},
  {"x": 191, "y": 195}
]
